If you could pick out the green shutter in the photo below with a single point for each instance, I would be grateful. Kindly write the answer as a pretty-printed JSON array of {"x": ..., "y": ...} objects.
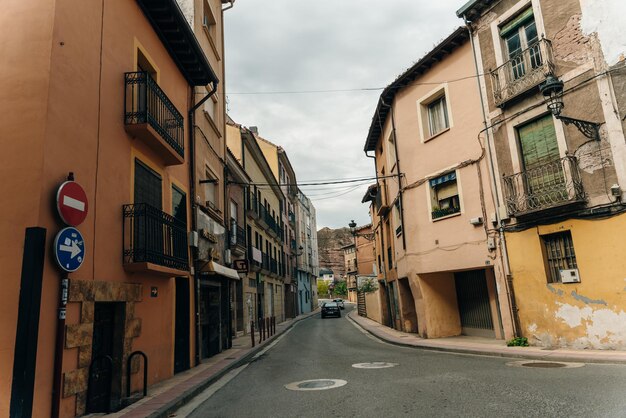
[{"x": 512, "y": 25}]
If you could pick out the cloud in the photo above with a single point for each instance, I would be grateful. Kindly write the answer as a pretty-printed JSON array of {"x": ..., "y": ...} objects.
[{"x": 296, "y": 45}]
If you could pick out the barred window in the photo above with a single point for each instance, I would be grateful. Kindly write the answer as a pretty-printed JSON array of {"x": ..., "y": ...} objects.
[{"x": 560, "y": 254}]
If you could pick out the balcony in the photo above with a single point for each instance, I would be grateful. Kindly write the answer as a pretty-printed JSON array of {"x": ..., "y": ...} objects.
[
  {"x": 237, "y": 239},
  {"x": 154, "y": 241},
  {"x": 548, "y": 186},
  {"x": 522, "y": 72},
  {"x": 253, "y": 207},
  {"x": 153, "y": 118},
  {"x": 292, "y": 218}
]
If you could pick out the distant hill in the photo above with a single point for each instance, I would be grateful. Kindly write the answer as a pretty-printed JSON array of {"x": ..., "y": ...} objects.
[{"x": 329, "y": 243}]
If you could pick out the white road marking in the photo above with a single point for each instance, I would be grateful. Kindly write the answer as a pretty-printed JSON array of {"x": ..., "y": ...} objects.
[{"x": 74, "y": 203}]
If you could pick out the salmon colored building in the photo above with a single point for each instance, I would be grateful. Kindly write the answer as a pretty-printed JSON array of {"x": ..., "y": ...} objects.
[
  {"x": 439, "y": 268},
  {"x": 102, "y": 91}
]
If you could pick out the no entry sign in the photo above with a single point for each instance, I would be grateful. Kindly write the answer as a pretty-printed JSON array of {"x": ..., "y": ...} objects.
[{"x": 72, "y": 203}]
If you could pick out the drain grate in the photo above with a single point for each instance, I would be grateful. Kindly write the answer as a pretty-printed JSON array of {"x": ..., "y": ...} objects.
[
  {"x": 545, "y": 365},
  {"x": 316, "y": 384}
]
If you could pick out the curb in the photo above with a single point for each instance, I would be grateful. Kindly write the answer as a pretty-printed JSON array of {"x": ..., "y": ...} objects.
[
  {"x": 186, "y": 396},
  {"x": 574, "y": 357}
]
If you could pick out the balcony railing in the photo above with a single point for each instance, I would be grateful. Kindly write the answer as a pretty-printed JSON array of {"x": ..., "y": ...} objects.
[
  {"x": 522, "y": 72},
  {"x": 553, "y": 184},
  {"x": 146, "y": 103},
  {"x": 237, "y": 237},
  {"x": 153, "y": 236},
  {"x": 253, "y": 206},
  {"x": 292, "y": 218},
  {"x": 440, "y": 213}
]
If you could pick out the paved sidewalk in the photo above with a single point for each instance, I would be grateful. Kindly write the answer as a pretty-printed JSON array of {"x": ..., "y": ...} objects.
[
  {"x": 167, "y": 396},
  {"x": 485, "y": 346}
]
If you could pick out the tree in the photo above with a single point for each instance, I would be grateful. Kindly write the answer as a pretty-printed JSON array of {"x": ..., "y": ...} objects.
[
  {"x": 341, "y": 289},
  {"x": 322, "y": 288},
  {"x": 368, "y": 285}
]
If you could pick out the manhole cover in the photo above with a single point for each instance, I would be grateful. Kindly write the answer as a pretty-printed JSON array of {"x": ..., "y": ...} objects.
[
  {"x": 544, "y": 364},
  {"x": 374, "y": 365},
  {"x": 316, "y": 384}
]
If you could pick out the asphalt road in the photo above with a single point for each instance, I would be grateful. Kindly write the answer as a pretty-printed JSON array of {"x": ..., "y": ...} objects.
[{"x": 424, "y": 383}]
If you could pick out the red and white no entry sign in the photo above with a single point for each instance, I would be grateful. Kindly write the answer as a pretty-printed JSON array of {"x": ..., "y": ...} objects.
[{"x": 72, "y": 203}]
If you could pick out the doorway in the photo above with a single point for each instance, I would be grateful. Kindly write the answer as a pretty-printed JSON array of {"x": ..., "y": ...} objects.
[
  {"x": 104, "y": 382},
  {"x": 210, "y": 320},
  {"x": 181, "y": 331},
  {"x": 473, "y": 301}
]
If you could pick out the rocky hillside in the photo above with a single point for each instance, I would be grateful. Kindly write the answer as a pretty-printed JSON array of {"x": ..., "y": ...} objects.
[{"x": 329, "y": 242}]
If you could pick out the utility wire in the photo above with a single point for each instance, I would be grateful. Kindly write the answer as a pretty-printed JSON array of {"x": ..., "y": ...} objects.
[{"x": 322, "y": 183}]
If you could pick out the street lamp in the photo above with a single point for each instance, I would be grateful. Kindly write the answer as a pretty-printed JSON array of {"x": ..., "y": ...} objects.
[
  {"x": 297, "y": 254},
  {"x": 552, "y": 90}
]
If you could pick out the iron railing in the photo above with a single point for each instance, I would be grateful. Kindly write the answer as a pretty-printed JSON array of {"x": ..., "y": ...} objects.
[
  {"x": 145, "y": 102},
  {"x": 273, "y": 265},
  {"x": 237, "y": 235},
  {"x": 553, "y": 184},
  {"x": 153, "y": 236},
  {"x": 523, "y": 71},
  {"x": 266, "y": 262},
  {"x": 438, "y": 213},
  {"x": 292, "y": 217},
  {"x": 253, "y": 205}
]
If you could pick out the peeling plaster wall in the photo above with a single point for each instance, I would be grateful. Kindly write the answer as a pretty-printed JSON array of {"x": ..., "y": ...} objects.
[
  {"x": 586, "y": 315},
  {"x": 606, "y": 18}
]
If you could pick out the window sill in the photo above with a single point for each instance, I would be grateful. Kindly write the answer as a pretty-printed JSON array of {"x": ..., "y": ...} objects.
[
  {"x": 211, "y": 42},
  {"x": 436, "y": 135},
  {"x": 212, "y": 123},
  {"x": 452, "y": 215}
]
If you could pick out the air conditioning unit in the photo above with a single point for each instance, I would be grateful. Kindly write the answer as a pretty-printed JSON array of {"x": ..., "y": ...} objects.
[{"x": 570, "y": 276}]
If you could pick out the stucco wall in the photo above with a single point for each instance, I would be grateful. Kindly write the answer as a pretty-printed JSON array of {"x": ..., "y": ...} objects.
[
  {"x": 442, "y": 315},
  {"x": 372, "y": 304},
  {"x": 590, "y": 314}
]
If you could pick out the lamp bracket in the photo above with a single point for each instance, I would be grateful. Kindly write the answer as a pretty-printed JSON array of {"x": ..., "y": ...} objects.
[{"x": 590, "y": 129}]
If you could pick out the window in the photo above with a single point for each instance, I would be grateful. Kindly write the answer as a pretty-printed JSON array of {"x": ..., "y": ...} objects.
[
  {"x": 437, "y": 116},
  {"x": 397, "y": 219},
  {"x": 391, "y": 151},
  {"x": 559, "y": 254},
  {"x": 210, "y": 106},
  {"x": 179, "y": 205},
  {"x": 433, "y": 113},
  {"x": 147, "y": 186},
  {"x": 520, "y": 40},
  {"x": 444, "y": 195},
  {"x": 211, "y": 191},
  {"x": 234, "y": 211},
  {"x": 209, "y": 24}
]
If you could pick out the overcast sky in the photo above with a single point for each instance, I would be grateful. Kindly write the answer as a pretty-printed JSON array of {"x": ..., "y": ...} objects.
[{"x": 304, "y": 45}]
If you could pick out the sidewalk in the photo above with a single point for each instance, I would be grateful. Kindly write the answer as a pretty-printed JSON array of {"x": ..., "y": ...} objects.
[
  {"x": 485, "y": 346},
  {"x": 167, "y": 396}
]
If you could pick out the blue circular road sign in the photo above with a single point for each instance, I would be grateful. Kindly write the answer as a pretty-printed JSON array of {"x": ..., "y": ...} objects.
[{"x": 69, "y": 249}]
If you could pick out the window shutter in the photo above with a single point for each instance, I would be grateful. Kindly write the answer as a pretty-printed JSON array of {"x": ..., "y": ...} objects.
[
  {"x": 538, "y": 142},
  {"x": 512, "y": 25}
]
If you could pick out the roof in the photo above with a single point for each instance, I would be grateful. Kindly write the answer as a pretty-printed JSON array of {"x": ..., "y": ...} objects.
[
  {"x": 473, "y": 8},
  {"x": 445, "y": 47},
  {"x": 172, "y": 28}
]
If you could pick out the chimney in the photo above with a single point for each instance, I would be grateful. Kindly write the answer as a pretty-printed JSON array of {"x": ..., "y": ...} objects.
[{"x": 254, "y": 129}]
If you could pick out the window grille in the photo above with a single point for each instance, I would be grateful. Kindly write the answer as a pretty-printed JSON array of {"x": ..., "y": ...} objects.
[{"x": 560, "y": 254}]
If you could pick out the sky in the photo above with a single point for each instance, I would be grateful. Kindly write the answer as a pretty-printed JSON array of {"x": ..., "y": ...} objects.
[{"x": 278, "y": 51}]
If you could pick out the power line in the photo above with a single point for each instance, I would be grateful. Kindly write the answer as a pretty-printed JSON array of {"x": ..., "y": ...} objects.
[{"x": 322, "y": 183}]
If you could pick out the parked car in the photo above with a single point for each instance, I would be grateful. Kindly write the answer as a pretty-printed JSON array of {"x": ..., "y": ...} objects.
[
  {"x": 339, "y": 302},
  {"x": 331, "y": 309}
]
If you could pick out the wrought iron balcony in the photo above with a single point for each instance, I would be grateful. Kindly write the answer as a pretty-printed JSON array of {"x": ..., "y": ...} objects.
[
  {"x": 152, "y": 117},
  {"x": 253, "y": 206},
  {"x": 153, "y": 237},
  {"x": 522, "y": 72},
  {"x": 551, "y": 185},
  {"x": 292, "y": 218},
  {"x": 237, "y": 239}
]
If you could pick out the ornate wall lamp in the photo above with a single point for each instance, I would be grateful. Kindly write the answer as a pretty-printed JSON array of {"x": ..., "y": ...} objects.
[{"x": 552, "y": 90}]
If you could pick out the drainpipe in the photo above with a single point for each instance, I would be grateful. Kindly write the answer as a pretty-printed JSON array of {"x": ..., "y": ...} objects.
[
  {"x": 194, "y": 205},
  {"x": 494, "y": 193}
]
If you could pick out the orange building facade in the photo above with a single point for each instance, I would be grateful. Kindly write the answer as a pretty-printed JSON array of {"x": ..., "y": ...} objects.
[{"x": 103, "y": 92}]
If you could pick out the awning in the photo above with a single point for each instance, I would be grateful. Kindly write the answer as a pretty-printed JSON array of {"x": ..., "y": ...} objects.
[
  {"x": 443, "y": 179},
  {"x": 214, "y": 268}
]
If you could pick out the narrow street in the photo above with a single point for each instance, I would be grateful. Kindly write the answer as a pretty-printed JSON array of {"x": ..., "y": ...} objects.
[{"x": 423, "y": 383}]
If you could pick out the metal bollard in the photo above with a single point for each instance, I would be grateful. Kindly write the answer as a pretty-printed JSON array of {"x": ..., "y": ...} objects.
[{"x": 252, "y": 331}]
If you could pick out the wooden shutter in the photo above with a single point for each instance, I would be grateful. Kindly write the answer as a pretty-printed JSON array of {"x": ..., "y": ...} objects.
[{"x": 538, "y": 142}]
